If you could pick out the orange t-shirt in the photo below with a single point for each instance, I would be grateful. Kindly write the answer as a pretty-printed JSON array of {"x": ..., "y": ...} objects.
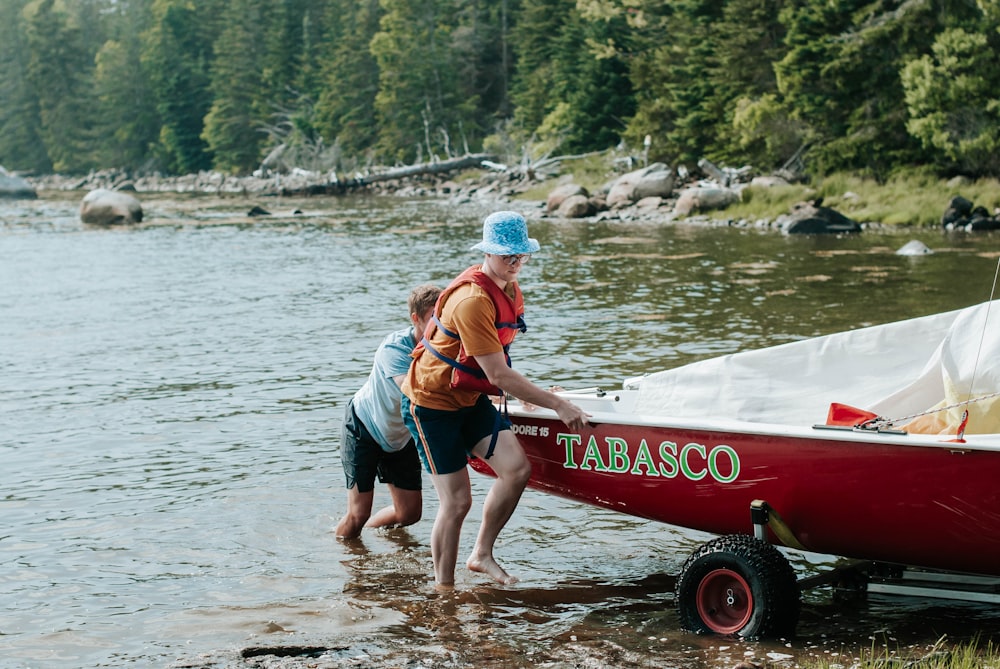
[{"x": 470, "y": 312}]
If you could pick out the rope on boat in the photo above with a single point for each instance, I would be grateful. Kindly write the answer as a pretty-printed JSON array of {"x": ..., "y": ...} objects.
[
  {"x": 982, "y": 338},
  {"x": 880, "y": 422}
]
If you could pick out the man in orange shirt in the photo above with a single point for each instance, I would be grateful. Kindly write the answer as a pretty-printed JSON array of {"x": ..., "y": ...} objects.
[{"x": 460, "y": 362}]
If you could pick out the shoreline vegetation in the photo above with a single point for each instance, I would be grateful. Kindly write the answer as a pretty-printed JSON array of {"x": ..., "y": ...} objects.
[
  {"x": 910, "y": 199},
  {"x": 178, "y": 86}
]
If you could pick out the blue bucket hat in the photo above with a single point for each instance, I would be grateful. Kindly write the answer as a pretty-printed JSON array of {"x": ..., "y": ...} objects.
[{"x": 505, "y": 233}]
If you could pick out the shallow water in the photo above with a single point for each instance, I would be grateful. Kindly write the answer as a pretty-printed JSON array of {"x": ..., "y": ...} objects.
[{"x": 171, "y": 397}]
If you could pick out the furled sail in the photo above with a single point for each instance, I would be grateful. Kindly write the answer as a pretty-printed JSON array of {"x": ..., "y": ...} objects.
[{"x": 895, "y": 370}]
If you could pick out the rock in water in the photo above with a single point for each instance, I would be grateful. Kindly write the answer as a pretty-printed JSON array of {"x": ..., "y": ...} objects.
[
  {"x": 914, "y": 248},
  {"x": 110, "y": 207},
  {"x": 15, "y": 187}
]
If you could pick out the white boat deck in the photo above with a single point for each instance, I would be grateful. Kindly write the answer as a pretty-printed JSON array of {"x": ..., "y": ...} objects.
[
  {"x": 619, "y": 407},
  {"x": 919, "y": 373}
]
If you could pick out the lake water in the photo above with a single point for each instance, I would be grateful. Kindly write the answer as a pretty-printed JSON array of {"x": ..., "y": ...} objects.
[{"x": 170, "y": 404}]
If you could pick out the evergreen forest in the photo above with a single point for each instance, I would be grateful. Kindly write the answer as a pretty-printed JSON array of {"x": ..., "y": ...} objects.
[{"x": 180, "y": 86}]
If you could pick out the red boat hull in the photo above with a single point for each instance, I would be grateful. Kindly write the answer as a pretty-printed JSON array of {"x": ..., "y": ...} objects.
[{"x": 934, "y": 506}]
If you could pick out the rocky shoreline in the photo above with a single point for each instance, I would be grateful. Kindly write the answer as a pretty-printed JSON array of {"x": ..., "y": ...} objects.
[
  {"x": 488, "y": 187},
  {"x": 651, "y": 194}
]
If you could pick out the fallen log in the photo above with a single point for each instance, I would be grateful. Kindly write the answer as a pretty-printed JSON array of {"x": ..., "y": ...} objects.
[{"x": 339, "y": 186}]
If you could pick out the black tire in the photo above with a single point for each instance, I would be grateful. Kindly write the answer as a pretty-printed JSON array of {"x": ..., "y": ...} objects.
[{"x": 738, "y": 585}]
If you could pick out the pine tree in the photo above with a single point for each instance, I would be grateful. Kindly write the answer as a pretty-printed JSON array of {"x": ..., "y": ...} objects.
[
  {"x": 594, "y": 81},
  {"x": 953, "y": 97},
  {"x": 488, "y": 36},
  {"x": 841, "y": 75},
  {"x": 419, "y": 105},
  {"x": 345, "y": 110},
  {"x": 750, "y": 38},
  {"x": 232, "y": 130},
  {"x": 676, "y": 53},
  {"x": 177, "y": 56},
  {"x": 307, "y": 35},
  {"x": 480, "y": 51},
  {"x": 58, "y": 70},
  {"x": 539, "y": 24},
  {"x": 128, "y": 123},
  {"x": 21, "y": 145}
]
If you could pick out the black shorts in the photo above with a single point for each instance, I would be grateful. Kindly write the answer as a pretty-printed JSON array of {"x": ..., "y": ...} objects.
[{"x": 364, "y": 459}]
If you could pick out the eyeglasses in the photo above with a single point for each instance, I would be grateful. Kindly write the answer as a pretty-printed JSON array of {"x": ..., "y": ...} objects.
[{"x": 510, "y": 261}]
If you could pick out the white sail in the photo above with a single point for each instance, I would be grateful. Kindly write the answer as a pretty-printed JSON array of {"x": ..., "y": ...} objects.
[{"x": 895, "y": 370}]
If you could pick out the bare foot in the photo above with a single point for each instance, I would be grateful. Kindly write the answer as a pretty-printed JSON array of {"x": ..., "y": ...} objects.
[{"x": 490, "y": 567}]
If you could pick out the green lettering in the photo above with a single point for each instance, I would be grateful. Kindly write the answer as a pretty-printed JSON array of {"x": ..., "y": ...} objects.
[
  {"x": 686, "y": 466},
  {"x": 617, "y": 454},
  {"x": 668, "y": 453},
  {"x": 644, "y": 457},
  {"x": 593, "y": 453},
  {"x": 734, "y": 463},
  {"x": 569, "y": 441}
]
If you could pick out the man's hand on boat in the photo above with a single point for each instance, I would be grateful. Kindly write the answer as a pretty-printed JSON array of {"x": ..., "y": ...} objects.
[
  {"x": 518, "y": 385},
  {"x": 573, "y": 416}
]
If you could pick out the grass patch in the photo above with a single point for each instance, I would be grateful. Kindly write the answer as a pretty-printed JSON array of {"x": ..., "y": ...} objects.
[
  {"x": 593, "y": 171},
  {"x": 540, "y": 191},
  {"x": 468, "y": 175},
  {"x": 969, "y": 655},
  {"x": 913, "y": 199},
  {"x": 908, "y": 199},
  {"x": 759, "y": 202}
]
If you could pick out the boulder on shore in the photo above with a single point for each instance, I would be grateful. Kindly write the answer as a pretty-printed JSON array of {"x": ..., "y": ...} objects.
[
  {"x": 577, "y": 206},
  {"x": 561, "y": 193},
  {"x": 657, "y": 180},
  {"x": 704, "y": 198},
  {"x": 110, "y": 207},
  {"x": 15, "y": 187},
  {"x": 962, "y": 214},
  {"x": 810, "y": 218}
]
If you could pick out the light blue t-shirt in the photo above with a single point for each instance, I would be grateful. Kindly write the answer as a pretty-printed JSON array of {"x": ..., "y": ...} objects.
[{"x": 377, "y": 401}]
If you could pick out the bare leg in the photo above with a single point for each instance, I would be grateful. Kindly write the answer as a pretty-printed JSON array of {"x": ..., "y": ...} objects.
[
  {"x": 455, "y": 499},
  {"x": 359, "y": 508},
  {"x": 406, "y": 509},
  {"x": 513, "y": 470}
]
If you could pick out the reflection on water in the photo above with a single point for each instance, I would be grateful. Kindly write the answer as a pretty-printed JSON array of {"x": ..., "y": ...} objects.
[{"x": 171, "y": 398}]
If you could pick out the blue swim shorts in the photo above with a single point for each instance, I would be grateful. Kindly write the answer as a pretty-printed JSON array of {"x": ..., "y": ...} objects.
[{"x": 445, "y": 439}]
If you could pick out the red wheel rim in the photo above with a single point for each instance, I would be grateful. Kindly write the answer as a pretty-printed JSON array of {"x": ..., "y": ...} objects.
[{"x": 724, "y": 601}]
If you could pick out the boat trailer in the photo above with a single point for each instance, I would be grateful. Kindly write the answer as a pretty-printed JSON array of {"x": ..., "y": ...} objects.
[{"x": 742, "y": 585}]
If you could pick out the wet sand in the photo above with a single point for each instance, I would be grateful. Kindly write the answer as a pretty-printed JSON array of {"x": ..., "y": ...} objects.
[{"x": 587, "y": 624}]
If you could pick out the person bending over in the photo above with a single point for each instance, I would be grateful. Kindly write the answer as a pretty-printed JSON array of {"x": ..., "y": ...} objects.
[{"x": 374, "y": 440}]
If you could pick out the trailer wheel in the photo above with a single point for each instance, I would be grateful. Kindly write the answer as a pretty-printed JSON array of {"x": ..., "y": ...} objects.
[{"x": 738, "y": 585}]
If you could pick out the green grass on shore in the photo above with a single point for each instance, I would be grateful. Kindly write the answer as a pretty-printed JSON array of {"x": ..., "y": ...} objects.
[
  {"x": 909, "y": 200},
  {"x": 914, "y": 198},
  {"x": 969, "y": 655}
]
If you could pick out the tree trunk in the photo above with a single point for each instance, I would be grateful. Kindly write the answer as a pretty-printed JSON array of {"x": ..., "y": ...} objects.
[{"x": 338, "y": 186}]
